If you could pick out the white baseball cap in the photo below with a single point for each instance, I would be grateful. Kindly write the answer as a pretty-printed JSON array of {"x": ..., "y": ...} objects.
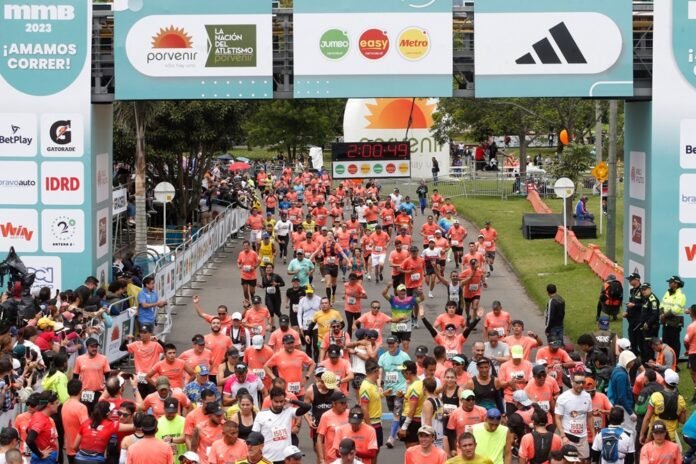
[
  {"x": 237, "y": 316},
  {"x": 624, "y": 343},
  {"x": 257, "y": 341},
  {"x": 671, "y": 378},
  {"x": 191, "y": 456}
]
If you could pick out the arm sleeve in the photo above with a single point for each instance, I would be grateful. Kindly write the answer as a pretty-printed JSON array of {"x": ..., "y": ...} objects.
[
  {"x": 471, "y": 327},
  {"x": 430, "y": 327},
  {"x": 31, "y": 442}
]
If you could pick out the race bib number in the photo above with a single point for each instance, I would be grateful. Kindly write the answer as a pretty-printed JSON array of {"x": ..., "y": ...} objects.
[
  {"x": 279, "y": 433},
  {"x": 331, "y": 260},
  {"x": 87, "y": 396},
  {"x": 270, "y": 290},
  {"x": 415, "y": 277},
  {"x": 292, "y": 218},
  {"x": 449, "y": 408},
  {"x": 266, "y": 259},
  {"x": 378, "y": 249},
  {"x": 597, "y": 422},
  {"x": 403, "y": 327},
  {"x": 388, "y": 218},
  {"x": 454, "y": 297},
  {"x": 142, "y": 377},
  {"x": 294, "y": 387},
  {"x": 295, "y": 308},
  {"x": 391, "y": 377},
  {"x": 501, "y": 331},
  {"x": 455, "y": 242},
  {"x": 473, "y": 287},
  {"x": 517, "y": 375},
  {"x": 545, "y": 405},
  {"x": 577, "y": 427},
  {"x": 260, "y": 373},
  {"x": 246, "y": 268},
  {"x": 351, "y": 300},
  {"x": 487, "y": 244}
]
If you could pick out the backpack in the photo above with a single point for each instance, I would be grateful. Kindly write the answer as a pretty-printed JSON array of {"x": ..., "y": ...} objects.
[
  {"x": 615, "y": 291},
  {"x": 671, "y": 400},
  {"x": 542, "y": 447},
  {"x": 641, "y": 406},
  {"x": 610, "y": 444}
]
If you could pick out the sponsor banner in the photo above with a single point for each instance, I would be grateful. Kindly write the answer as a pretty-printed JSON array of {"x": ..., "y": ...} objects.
[
  {"x": 48, "y": 271},
  {"x": 637, "y": 175},
  {"x": 553, "y": 48},
  {"x": 45, "y": 137},
  {"x": 373, "y": 169},
  {"x": 200, "y": 50},
  {"x": 116, "y": 335},
  {"x": 102, "y": 228},
  {"x": 19, "y": 184},
  {"x": 103, "y": 274},
  {"x": 19, "y": 228},
  {"x": 103, "y": 177},
  {"x": 383, "y": 120},
  {"x": 120, "y": 201},
  {"x": 18, "y": 135},
  {"x": 635, "y": 266},
  {"x": 347, "y": 48},
  {"x": 63, "y": 231},
  {"x": 636, "y": 217}
]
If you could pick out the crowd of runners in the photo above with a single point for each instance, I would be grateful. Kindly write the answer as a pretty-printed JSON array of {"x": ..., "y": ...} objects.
[{"x": 307, "y": 349}]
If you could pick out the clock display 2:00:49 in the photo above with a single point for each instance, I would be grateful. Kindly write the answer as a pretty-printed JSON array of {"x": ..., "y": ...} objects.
[{"x": 377, "y": 150}]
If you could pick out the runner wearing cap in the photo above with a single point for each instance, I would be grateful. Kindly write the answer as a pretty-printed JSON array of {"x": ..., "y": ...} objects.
[
  {"x": 146, "y": 353},
  {"x": 208, "y": 431},
  {"x": 256, "y": 358},
  {"x": 240, "y": 335},
  {"x": 493, "y": 439},
  {"x": 463, "y": 418},
  {"x": 301, "y": 267},
  {"x": 330, "y": 421},
  {"x": 556, "y": 358},
  {"x": 230, "y": 448},
  {"x": 543, "y": 390},
  {"x": 335, "y": 336},
  {"x": 364, "y": 436},
  {"x": 393, "y": 382},
  {"x": 513, "y": 375},
  {"x": 527, "y": 341},
  {"x": 370, "y": 399},
  {"x": 404, "y": 308},
  {"x": 92, "y": 369},
  {"x": 242, "y": 378},
  {"x": 660, "y": 450},
  {"x": 456, "y": 235},
  {"x": 198, "y": 355},
  {"x": 257, "y": 318},
  {"x": 346, "y": 452},
  {"x": 573, "y": 415},
  {"x": 537, "y": 445},
  {"x": 201, "y": 382},
  {"x": 255, "y": 444},
  {"x": 413, "y": 405},
  {"x": 148, "y": 449},
  {"x": 171, "y": 428},
  {"x": 426, "y": 452},
  {"x": 319, "y": 396},
  {"x": 290, "y": 364},
  {"x": 155, "y": 401},
  {"x": 339, "y": 366},
  {"x": 667, "y": 406},
  {"x": 275, "y": 341},
  {"x": 292, "y": 455}
]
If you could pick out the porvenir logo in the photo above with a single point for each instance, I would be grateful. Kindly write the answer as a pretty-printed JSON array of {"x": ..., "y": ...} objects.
[
  {"x": 334, "y": 44},
  {"x": 374, "y": 44},
  {"x": 414, "y": 44},
  {"x": 172, "y": 39}
]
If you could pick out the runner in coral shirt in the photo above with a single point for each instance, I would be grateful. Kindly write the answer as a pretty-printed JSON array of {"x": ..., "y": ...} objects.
[
  {"x": 527, "y": 342},
  {"x": 543, "y": 390},
  {"x": 257, "y": 318},
  {"x": 403, "y": 221},
  {"x": 396, "y": 258},
  {"x": 353, "y": 296},
  {"x": 490, "y": 235},
  {"x": 256, "y": 358},
  {"x": 428, "y": 231},
  {"x": 230, "y": 448},
  {"x": 290, "y": 364},
  {"x": 514, "y": 374},
  {"x": 388, "y": 216},
  {"x": 199, "y": 355},
  {"x": 413, "y": 269},
  {"x": 92, "y": 368},
  {"x": 456, "y": 236},
  {"x": 331, "y": 421},
  {"x": 473, "y": 281},
  {"x": 321, "y": 215},
  {"x": 364, "y": 436},
  {"x": 170, "y": 367},
  {"x": 255, "y": 223},
  {"x": 375, "y": 319},
  {"x": 295, "y": 215},
  {"x": 465, "y": 417},
  {"x": 497, "y": 320},
  {"x": 380, "y": 241},
  {"x": 339, "y": 366},
  {"x": 248, "y": 262}
]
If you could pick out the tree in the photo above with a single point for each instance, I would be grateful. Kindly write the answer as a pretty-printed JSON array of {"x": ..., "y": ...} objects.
[
  {"x": 291, "y": 125},
  {"x": 134, "y": 118},
  {"x": 572, "y": 163}
]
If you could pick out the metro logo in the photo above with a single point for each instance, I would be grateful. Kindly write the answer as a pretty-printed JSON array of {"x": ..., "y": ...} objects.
[
  {"x": 62, "y": 184},
  {"x": 10, "y": 231}
]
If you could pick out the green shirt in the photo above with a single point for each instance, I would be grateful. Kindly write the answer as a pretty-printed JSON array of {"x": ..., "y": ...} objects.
[
  {"x": 478, "y": 459},
  {"x": 491, "y": 444},
  {"x": 172, "y": 428}
]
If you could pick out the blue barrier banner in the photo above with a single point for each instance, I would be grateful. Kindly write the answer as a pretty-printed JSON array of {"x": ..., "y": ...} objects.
[{"x": 553, "y": 48}]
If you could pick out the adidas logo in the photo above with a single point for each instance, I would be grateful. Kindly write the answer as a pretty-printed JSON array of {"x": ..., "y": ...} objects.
[{"x": 546, "y": 53}]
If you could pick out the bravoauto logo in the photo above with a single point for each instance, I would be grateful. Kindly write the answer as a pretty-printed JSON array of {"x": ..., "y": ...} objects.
[
  {"x": 334, "y": 44},
  {"x": 414, "y": 44},
  {"x": 374, "y": 44},
  {"x": 168, "y": 46}
]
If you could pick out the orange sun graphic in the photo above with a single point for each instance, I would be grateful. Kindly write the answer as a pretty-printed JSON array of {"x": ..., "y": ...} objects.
[
  {"x": 393, "y": 113},
  {"x": 172, "y": 37}
]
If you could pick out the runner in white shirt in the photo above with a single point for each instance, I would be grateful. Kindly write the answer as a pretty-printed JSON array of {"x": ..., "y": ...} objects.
[
  {"x": 573, "y": 417},
  {"x": 431, "y": 254},
  {"x": 283, "y": 229},
  {"x": 626, "y": 443},
  {"x": 275, "y": 424}
]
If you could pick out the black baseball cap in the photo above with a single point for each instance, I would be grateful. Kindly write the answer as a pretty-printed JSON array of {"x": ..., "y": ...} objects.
[
  {"x": 198, "y": 339},
  {"x": 334, "y": 352},
  {"x": 92, "y": 341},
  {"x": 346, "y": 446},
  {"x": 254, "y": 439},
  {"x": 633, "y": 276},
  {"x": 356, "y": 417},
  {"x": 149, "y": 423},
  {"x": 214, "y": 408},
  {"x": 422, "y": 350},
  {"x": 288, "y": 338},
  {"x": 339, "y": 396},
  {"x": 171, "y": 405}
]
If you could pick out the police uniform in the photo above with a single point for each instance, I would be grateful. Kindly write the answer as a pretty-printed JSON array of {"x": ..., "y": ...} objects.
[
  {"x": 633, "y": 318},
  {"x": 672, "y": 315},
  {"x": 649, "y": 324}
]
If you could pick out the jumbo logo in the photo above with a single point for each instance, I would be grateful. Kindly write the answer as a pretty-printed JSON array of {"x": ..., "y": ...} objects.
[
  {"x": 374, "y": 44},
  {"x": 334, "y": 44}
]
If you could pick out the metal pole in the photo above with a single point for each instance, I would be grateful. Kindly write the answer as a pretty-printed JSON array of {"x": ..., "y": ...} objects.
[
  {"x": 598, "y": 131},
  {"x": 164, "y": 227},
  {"x": 611, "y": 197},
  {"x": 565, "y": 233},
  {"x": 601, "y": 210}
]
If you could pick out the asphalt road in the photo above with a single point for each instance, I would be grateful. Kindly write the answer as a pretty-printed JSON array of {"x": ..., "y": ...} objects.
[{"x": 219, "y": 284}]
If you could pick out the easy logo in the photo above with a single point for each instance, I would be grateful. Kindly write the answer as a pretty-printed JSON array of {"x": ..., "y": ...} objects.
[
  {"x": 334, "y": 44},
  {"x": 374, "y": 44},
  {"x": 414, "y": 44}
]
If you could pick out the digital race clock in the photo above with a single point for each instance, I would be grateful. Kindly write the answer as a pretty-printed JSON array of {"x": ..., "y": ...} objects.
[{"x": 362, "y": 160}]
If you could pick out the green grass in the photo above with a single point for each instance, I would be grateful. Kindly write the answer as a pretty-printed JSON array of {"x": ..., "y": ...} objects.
[{"x": 540, "y": 262}]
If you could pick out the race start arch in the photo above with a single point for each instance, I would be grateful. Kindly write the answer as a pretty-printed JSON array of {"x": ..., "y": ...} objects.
[{"x": 55, "y": 143}]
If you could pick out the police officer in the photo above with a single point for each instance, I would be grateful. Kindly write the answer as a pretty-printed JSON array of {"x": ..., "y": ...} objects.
[
  {"x": 672, "y": 314},
  {"x": 649, "y": 321},
  {"x": 634, "y": 308}
]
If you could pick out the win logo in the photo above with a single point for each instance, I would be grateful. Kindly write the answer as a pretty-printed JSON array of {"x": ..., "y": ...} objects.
[{"x": 547, "y": 54}]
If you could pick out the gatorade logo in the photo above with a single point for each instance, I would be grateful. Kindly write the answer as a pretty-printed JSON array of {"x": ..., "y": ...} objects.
[
  {"x": 340, "y": 169},
  {"x": 414, "y": 44},
  {"x": 374, "y": 44},
  {"x": 334, "y": 44}
]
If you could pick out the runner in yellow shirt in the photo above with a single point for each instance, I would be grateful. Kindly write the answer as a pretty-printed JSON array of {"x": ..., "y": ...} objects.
[
  {"x": 370, "y": 397},
  {"x": 413, "y": 405}
]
